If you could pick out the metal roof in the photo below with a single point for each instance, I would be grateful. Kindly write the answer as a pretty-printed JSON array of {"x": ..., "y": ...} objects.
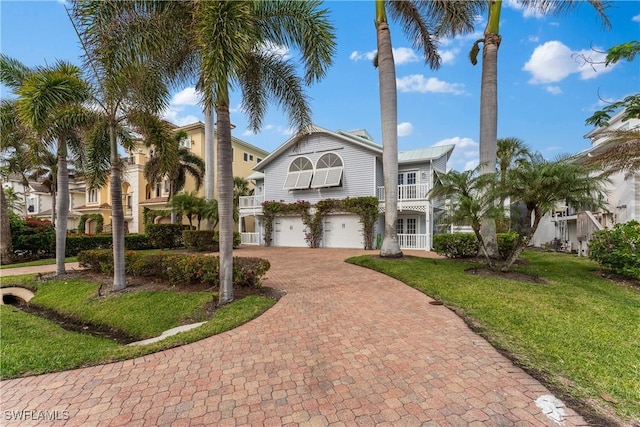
[{"x": 430, "y": 153}]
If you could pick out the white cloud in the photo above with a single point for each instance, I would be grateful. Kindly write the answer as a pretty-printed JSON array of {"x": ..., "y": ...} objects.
[
  {"x": 553, "y": 61},
  {"x": 280, "y": 130},
  {"x": 404, "y": 55},
  {"x": 534, "y": 39},
  {"x": 465, "y": 155},
  {"x": 401, "y": 55},
  {"x": 276, "y": 49},
  {"x": 554, "y": 90},
  {"x": 527, "y": 12},
  {"x": 636, "y": 18},
  {"x": 419, "y": 83},
  {"x": 358, "y": 56},
  {"x": 405, "y": 129},
  {"x": 187, "y": 96},
  {"x": 172, "y": 114},
  {"x": 449, "y": 56}
]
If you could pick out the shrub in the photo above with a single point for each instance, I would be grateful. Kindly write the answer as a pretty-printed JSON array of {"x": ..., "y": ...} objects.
[
  {"x": 507, "y": 243},
  {"x": 459, "y": 245},
  {"x": 84, "y": 242},
  {"x": 165, "y": 236},
  {"x": 618, "y": 250},
  {"x": 181, "y": 270},
  {"x": 200, "y": 240},
  {"x": 237, "y": 238},
  {"x": 31, "y": 237}
]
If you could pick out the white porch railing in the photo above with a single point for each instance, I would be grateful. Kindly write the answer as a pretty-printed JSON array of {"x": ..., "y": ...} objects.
[
  {"x": 412, "y": 241},
  {"x": 251, "y": 201},
  {"x": 408, "y": 192},
  {"x": 250, "y": 238}
]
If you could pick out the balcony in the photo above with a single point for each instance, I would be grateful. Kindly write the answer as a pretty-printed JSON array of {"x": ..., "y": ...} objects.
[
  {"x": 251, "y": 202},
  {"x": 408, "y": 192}
]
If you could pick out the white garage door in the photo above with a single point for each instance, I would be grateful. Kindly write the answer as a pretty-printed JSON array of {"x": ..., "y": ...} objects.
[
  {"x": 288, "y": 231},
  {"x": 343, "y": 231}
]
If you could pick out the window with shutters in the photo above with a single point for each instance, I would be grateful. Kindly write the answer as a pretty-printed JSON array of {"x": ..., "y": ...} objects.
[
  {"x": 299, "y": 174},
  {"x": 328, "y": 171}
]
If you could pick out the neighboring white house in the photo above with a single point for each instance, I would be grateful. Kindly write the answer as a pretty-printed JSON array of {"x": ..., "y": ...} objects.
[
  {"x": 571, "y": 229},
  {"x": 323, "y": 164}
]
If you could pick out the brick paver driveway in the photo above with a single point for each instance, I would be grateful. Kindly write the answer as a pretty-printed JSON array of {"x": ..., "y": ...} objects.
[{"x": 344, "y": 346}]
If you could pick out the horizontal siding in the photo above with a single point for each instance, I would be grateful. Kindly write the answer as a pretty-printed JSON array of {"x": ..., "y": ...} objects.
[
  {"x": 440, "y": 164},
  {"x": 356, "y": 178}
]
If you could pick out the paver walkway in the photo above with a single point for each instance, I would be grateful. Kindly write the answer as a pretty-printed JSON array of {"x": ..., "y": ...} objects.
[{"x": 344, "y": 346}]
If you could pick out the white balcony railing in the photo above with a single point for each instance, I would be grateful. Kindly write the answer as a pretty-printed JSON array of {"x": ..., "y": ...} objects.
[
  {"x": 408, "y": 192},
  {"x": 412, "y": 241},
  {"x": 251, "y": 201},
  {"x": 250, "y": 238}
]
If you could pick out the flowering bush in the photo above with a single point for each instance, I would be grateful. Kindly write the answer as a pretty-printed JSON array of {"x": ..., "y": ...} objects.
[{"x": 618, "y": 250}]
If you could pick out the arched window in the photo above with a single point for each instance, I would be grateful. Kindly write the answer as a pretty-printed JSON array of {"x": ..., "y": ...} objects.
[
  {"x": 299, "y": 175},
  {"x": 328, "y": 171}
]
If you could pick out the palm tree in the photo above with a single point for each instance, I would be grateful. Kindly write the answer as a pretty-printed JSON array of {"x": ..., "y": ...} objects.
[
  {"x": 126, "y": 93},
  {"x": 12, "y": 199},
  {"x": 418, "y": 19},
  {"x": 489, "y": 87},
  {"x": 541, "y": 184},
  {"x": 511, "y": 152},
  {"x": 174, "y": 162},
  {"x": 471, "y": 197},
  {"x": 50, "y": 102},
  {"x": 45, "y": 173},
  {"x": 187, "y": 204},
  {"x": 225, "y": 44}
]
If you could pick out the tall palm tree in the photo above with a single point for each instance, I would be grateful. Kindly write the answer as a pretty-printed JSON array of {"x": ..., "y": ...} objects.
[
  {"x": 489, "y": 86},
  {"x": 125, "y": 93},
  {"x": 224, "y": 45},
  {"x": 50, "y": 102},
  {"x": 541, "y": 184},
  {"x": 423, "y": 21}
]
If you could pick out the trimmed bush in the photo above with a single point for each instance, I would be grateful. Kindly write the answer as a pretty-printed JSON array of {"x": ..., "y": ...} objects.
[
  {"x": 507, "y": 243},
  {"x": 31, "y": 238},
  {"x": 181, "y": 270},
  {"x": 200, "y": 240},
  {"x": 85, "y": 242},
  {"x": 237, "y": 238},
  {"x": 618, "y": 250},
  {"x": 165, "y": 236},
  {"x": 458, "y": 245}
]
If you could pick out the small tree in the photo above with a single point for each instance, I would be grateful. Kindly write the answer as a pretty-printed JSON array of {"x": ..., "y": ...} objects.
[{"x": 541, "y": 184}]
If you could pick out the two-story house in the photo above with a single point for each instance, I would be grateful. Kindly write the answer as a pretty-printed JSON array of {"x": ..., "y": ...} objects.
[
  {"x": 571, "y": 229},
  {"x": 322, "y": 164},
  {"x": 138, "y": 193}
]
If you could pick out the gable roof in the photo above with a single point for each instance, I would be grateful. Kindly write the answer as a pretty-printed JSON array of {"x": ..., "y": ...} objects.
[{"x": 361, "y": 138}]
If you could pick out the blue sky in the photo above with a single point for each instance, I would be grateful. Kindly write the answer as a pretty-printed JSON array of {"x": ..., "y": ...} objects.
[{"x": 545, "y": 90}]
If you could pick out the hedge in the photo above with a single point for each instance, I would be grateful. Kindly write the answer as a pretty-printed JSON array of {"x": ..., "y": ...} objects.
[
  {"x": 466, "y": 245},
  {"x": 84, "y": 242},
  {"x": 181, "y": 270},
  {"x": 618, "y": 250},
  {"x": 200, "y": 240},
  {"x": 166, "y": 236}
]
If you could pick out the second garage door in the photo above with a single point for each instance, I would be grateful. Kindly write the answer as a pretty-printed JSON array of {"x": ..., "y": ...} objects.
[
  {"x": 343, "y": 231},
  {"x": 289, "y": 231}
]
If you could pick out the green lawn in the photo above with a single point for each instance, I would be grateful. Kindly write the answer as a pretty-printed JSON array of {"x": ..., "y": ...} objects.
[
  {"x": 47, "y": 261},
  {"x": 581, "y": 330},
  {"x": 33, "y": 345}
]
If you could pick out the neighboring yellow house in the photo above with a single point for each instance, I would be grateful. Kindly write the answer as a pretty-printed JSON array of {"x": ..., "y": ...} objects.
[{"x": 137, "y": 193}]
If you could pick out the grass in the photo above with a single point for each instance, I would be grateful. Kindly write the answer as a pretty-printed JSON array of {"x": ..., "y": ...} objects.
[
  {"x": 36, "y": 263},
  {"x": 32, "y": 345},
  {"x": 581, "y": 331}
]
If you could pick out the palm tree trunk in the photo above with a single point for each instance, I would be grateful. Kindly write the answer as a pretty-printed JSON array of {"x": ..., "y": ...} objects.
[
  {"x": 5, "y": 230},
  {"x": 117, "y": 214},
  {"x": 225, "y": 199},
  {"x": 389, "y": 115},
  {"x": 525, "y": 242},
  {"x": 489, "y": 128},
  {"x": 63, "y": 206},
  {"x": 209, "y": 158}
]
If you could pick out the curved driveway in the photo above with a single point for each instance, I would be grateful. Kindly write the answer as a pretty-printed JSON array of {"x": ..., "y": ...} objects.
[{"x": 344, "y": 346}]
